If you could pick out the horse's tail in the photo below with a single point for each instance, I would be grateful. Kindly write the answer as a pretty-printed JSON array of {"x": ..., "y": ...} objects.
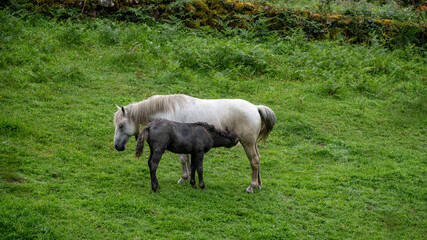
[
  {"x": 140, "y": 142},
  {"x": 268, "y": 119}
]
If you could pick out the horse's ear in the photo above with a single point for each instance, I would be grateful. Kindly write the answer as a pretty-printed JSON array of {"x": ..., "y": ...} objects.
[
  {"x": 124, "y": 112},
  {"x": 118, "y": 108}
]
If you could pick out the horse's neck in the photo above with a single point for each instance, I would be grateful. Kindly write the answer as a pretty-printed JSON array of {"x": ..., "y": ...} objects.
[
  {"x": 139, "y": 113},
  {"x": 144, "y": 112}
]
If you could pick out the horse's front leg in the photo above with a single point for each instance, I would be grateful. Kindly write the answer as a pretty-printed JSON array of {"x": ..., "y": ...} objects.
[
  {"x": 153, "y": 163},
  {"x": 186, "y": 168}
]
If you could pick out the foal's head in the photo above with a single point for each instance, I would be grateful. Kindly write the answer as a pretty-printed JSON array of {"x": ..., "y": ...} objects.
[
  {"x": 220, "y": 138},
  {"x": 126, "y": 127}
]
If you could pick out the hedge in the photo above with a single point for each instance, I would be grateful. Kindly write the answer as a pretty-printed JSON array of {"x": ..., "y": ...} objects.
[{"x": 259, "y": 18}]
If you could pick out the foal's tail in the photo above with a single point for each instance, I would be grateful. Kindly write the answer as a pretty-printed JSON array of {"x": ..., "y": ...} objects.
[
  {"x": 140, "y": 142},
  {"x": 268, "y": 119}
]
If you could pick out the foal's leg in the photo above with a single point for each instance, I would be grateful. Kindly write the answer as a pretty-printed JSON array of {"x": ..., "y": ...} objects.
[
  {"x": 254, "y": 158},
  {"x": 200, "y": 173},
  {"x": 193, "y": 171},
  {"x": 153, "y": 163},
  {"x": 197, "y": 164},
  {"x": 186, "y": 168}
]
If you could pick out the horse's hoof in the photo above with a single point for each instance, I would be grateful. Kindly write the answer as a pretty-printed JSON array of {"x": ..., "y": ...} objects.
[
  {"x": 181, "y": 181},
  {"x": 250, "y": 189}
]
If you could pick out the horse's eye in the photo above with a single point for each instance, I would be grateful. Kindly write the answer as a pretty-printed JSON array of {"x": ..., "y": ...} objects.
[{"x": 121, "y": 126}]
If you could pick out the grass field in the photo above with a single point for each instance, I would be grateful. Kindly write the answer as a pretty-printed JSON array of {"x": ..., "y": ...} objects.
[{"x": 346, "y": 160}]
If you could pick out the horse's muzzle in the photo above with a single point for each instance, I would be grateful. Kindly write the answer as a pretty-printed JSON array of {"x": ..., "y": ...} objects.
[{"x": 122, "y": 148}]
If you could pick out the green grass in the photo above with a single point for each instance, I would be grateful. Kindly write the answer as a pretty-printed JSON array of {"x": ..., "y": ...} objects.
[{"x": 347, "y": 158}]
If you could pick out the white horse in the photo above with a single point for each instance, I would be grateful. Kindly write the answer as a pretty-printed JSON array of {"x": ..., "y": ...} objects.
[{"x": 251, "y": 123}]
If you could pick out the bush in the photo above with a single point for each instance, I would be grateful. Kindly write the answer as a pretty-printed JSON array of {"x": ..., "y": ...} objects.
[{"x": 262, "y": 19}]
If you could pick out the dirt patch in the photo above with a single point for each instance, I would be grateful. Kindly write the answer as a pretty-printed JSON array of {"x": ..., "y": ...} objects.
[{"x": 16, "y": 180}]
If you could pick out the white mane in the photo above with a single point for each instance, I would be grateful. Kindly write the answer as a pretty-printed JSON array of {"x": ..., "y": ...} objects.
[{"x": 140, "y": 111}]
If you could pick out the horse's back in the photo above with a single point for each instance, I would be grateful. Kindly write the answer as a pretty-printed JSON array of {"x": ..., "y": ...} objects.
[{"x": 238, "y": 115}]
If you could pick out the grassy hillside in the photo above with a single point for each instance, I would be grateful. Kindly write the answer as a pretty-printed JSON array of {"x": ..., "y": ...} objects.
[{"x": 347, "y": 158}]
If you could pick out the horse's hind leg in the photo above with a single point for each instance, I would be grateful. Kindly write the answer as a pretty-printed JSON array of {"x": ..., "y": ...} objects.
[
  {"x": 186, "y": 168},
  {"x": 255, "y": 160}
]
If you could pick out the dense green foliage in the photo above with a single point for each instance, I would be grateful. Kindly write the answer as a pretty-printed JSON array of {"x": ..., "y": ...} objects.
[
  {"x": 356, "y": 22},
  {"x": 381, "y": 9},
  {"x": 347, "y": 158}
]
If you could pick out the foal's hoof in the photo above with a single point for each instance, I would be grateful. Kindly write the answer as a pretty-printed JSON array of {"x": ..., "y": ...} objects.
[
  {"x": 181, "y": 181},
  {"x": 154, "y": 187}
]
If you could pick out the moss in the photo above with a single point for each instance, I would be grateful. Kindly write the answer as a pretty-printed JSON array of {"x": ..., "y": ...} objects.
[
  {"x": 335, "y": 16},
  {"x": 190, "y": 9},
  {"x": 376, "y": 21},
  {"x": 238, "y": 6},
  {"x": 316, "y": 15},
  {"x": 305, "y": 13},
  {"x": 201, "y": 5},
  {"x": 387, "y": 22}
]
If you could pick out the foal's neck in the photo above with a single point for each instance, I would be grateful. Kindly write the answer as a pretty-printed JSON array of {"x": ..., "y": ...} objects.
[{"x": 218, "y": 141}]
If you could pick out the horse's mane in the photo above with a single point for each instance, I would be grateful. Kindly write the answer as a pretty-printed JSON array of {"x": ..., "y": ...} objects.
[
  {"x": 211, "y": 128},
  {"x": 141, "y": 111}
]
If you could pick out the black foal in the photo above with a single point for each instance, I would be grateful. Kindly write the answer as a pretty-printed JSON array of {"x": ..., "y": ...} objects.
[{"x": 182, "y": 138}]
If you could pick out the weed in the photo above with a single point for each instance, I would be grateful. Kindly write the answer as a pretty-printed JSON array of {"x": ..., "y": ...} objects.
[
  {"x": 109, "y": 33},
  {"x": 72, "y": 34}
]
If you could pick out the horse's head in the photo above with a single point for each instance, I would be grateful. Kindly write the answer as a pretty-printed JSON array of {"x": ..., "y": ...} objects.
[{"x": 125, "y": 126}]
